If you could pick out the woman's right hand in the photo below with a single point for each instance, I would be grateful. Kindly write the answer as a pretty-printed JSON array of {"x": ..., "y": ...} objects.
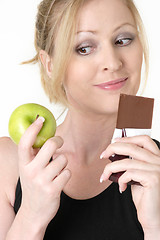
[{"x": 42, "y": 180}]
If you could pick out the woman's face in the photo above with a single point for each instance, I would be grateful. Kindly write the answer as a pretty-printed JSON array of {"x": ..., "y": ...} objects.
[{"x": 106, "y": 60}]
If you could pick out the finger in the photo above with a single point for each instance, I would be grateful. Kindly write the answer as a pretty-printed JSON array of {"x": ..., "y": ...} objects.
[
  {"x": 55, "y": 167},
  {"x": 142, "y": 141},
  {"x": 48, "y": 149},
  {"x": 132, "y": 150},
  {"x": 145, "y": 178},
  {"x": 28, "y": 139},
  {"x": 128, "y": 164},
  {"x": 61, "y": 180}
]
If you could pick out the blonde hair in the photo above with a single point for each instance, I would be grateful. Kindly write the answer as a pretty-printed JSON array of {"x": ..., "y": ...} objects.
[
  {"x": 55, "y": 32},
  {"x": 142, "y": 36}
]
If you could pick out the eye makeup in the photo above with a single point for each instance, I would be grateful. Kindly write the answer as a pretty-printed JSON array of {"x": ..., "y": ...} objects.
[
  {"x": 88, "y": 46},
  {"x": 85, "y": 48},
  {"x": 126, "y": 35},
  {"x": 124, "y": 39}
]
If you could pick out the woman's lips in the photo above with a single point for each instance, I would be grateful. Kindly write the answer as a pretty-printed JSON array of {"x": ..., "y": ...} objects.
[{"x": 113, "y": 85}]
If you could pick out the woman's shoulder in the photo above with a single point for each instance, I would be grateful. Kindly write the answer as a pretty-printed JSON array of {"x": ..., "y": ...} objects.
[
  {"x": 8, "y": 152},
  {"x": 8, "y": 167}
]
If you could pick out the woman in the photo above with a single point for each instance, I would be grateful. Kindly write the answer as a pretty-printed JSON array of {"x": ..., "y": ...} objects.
[{"x": 90, "y": 52}]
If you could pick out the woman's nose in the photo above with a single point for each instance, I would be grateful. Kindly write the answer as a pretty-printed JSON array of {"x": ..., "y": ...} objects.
[{"x": 112, "y": 61}]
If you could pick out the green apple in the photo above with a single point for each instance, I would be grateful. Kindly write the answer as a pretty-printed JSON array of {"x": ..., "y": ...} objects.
[{"x": 24, "y": 115}]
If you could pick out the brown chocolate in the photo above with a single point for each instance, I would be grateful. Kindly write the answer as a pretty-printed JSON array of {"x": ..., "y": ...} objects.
[{"x": 135, "y": 112}]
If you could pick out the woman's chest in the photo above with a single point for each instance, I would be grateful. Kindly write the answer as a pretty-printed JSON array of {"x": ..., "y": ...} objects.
[
  {"x": 85, "y": 182},
  {"x": 107, "y": 216}
]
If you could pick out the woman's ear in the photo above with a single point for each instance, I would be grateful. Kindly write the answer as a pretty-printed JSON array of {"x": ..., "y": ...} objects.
[{"x": 46, "y": 61}]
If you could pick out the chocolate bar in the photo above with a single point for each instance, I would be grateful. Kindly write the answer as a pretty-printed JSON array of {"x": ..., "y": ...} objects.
[
  {"x": 135, "y": 112},
  {"x": 134, "y": 118}
]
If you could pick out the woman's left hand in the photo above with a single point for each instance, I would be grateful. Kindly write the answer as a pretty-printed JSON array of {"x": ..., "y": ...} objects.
[{"x": 143, "y": 167}]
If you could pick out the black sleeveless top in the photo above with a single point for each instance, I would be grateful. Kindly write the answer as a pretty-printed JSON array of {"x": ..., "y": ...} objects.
[{"x": 107, "y": 216}]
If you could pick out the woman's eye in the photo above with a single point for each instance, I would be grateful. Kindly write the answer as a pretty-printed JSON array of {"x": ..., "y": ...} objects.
[
  {"x": 84, "y": 50},
  {"x": 123, "y": 42}
]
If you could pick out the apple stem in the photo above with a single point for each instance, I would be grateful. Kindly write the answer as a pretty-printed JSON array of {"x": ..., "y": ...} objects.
[{"x": 37, "y": 117}]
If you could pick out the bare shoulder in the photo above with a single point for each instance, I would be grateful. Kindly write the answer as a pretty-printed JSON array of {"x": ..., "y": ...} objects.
[
  {"x": 8, "y": 180},
  {"x": 8, "y": 167}
]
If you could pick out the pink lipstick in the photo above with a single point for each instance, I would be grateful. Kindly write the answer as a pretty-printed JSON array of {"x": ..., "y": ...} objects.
[{"x": 113, "y": 85}]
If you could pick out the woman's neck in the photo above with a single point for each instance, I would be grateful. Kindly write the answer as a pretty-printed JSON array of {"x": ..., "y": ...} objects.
[{"x": 86, "y": 136}]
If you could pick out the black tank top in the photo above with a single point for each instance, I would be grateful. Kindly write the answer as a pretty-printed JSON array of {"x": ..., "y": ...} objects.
[{"x": 107, "y": 216}]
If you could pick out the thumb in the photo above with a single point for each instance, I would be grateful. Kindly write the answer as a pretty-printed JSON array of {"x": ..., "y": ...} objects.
[{"x": 25, "y": 150}]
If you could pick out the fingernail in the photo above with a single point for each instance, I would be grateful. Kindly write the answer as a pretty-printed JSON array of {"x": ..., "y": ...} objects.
[
  {"x": 120, "y": 190},
  {"x": 102, "y": 156},
  {"x": 40, "y": 120},
  {"x": 101, "y": 179},
  {"x": 116, "y": 140}
]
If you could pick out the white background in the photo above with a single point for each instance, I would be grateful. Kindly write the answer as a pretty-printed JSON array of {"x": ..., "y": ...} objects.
[{"x": 21, "y": 83}]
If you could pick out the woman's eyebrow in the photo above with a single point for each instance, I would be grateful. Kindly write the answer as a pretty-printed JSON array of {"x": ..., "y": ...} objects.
[
  {"x": 86, "y": 31},
  {"x": 117, "y": 28},
  {"x": 125, "y": 24}
]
